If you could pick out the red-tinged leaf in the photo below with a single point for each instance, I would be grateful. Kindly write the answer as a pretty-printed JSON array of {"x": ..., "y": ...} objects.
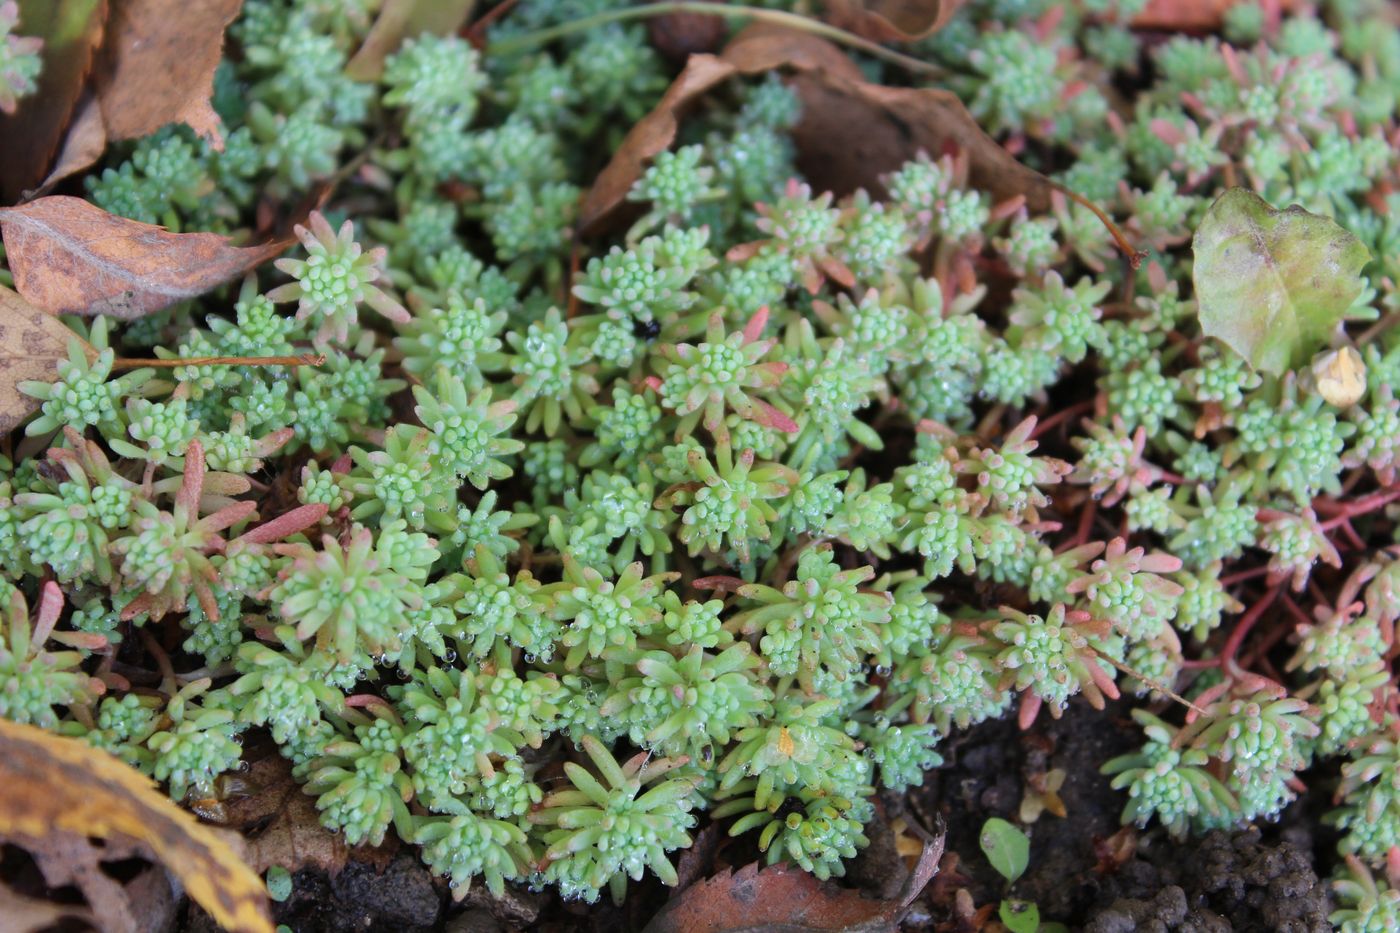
[
  {"x": 71, "y": 30},
  {"x": 71, "y": 257},
  {"x": 402, "y": 19},
  {"x": 31, "y": 345},
  {"x": 787, "y": 898},
  {"x": 158, "y": 65},
  {"x": 1191, "y": 15}
]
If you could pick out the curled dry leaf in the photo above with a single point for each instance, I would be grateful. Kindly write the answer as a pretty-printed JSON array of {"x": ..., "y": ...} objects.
[
  {"x": 399, "y": 20},
  {"x": 157, "y": 65},
  {"x": 31, "y": 344},
  {"x": 71, "y": 30},
  {"x": 891, "y": 20},
  {"x": 72, "y": 257},
  {"x": 783, "y": 897},
  {"x": 851, "y": 131},
  {"x": 82, "y": 147},
  {"x": 50, "y": 784}
]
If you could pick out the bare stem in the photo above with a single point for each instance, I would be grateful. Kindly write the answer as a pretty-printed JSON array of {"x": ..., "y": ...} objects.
[
  {"x": 727, "y": 10},
  {"x": 304, "y": 359}
]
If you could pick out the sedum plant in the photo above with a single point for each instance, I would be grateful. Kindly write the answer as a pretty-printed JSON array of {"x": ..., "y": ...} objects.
[{"x": 733, "y": 510}]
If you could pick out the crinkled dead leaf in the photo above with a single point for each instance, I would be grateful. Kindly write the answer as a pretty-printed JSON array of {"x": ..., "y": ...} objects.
[
  {"x": 31, "y": 914},
  {"x": 1273, "y": 284},
  {"x": 851, "y": 131},
  {"x": 400, "y": 19},
  {"x": 280, "y": 823},
  {"x": 71, "y": 30},
  {"x": 31, "y": 345},
  {"x": 133, "y": 904},
  {"x": 50, "y": 784},
  {"x": 787, "y": 898},
  {"x": 71, "y": 257},
  {"x": 891, "y": 20},
  {"x": 157, "y": 65}
]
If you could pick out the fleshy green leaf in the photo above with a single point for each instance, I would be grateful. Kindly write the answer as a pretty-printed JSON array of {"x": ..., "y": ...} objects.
[
  {"x": 1006, "y": 847},
  {"x": 1271, "y": 284}
]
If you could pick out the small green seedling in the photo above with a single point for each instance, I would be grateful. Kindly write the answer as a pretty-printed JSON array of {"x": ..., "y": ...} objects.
[
  {"x": 1006, "y": 847},
  {"x": 279, "y": 883},
  {"x": 1009, "y": 851}
]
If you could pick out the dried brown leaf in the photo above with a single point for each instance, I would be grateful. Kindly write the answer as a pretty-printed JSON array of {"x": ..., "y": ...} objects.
[
  {"x": 753, "y": 51},
  {"x": 787, "y": 899},
  {"x": 399, "y": 20},
  {"x": 82, "y": 147},
  {"x": 891, "y": 20},
  {"x": 31, "y": 915},
  {"x": 158, "y": 65},
  {"x": 50, "y": 784},
  {"x": 72, "y": 257},
  {"x": 71, "y": 30},
  {"x": 31, "y": 344},
  {"x": 851, "y": 131},
  {"x": 280, "y": 822},
  {"x": 71, "y": 860}
]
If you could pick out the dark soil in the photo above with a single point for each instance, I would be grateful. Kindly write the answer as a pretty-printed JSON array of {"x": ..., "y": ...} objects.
[{"x": 1085, "y": 871}]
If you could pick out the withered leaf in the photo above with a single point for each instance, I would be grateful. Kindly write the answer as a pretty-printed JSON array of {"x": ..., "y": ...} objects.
[
  {"x": 82, "y": 147},
  {"x": 157, "y": 65},
  {"x": 67, "y": 859},
  {"x": 31, "y": 344},
  {"x": 71, "y": 30},
  {"x": 71, "y": 257},
  {"x": 280, "y": 822},
  {"x": 891, "y": 20},
  {"x": 30, "y": 915},
  {"x": 51, "y": 784},
  {"x": 753, "y": 51},
  {"x": 399, "y": 20},
  {"x": 784, "y": 897},
  {"x": 851, "y": 131}
]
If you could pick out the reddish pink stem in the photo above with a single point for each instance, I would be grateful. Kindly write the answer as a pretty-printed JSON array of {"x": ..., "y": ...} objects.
[{"x": 1246, "y": 622}]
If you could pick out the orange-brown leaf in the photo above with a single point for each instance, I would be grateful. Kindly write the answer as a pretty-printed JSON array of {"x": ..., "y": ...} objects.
[
  {"x": 71, "y": 30},
  {"x": 72, "y": 257},
  {"x": 53, "y": 784},
  {"x": 31, "y": 344},
  {"x": 158, "y": 65},
  {"x": 786, "y": 897},
  {"x": 891, "y": 20}
]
